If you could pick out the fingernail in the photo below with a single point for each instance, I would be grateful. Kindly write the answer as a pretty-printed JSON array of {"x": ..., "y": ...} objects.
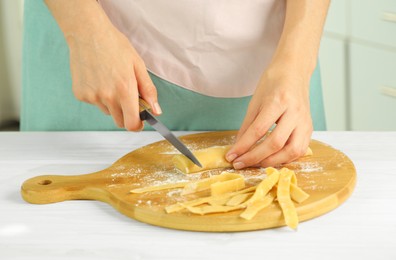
[
  {"x": 239, "y": 165},
  {"x": 231, "y": 157},
  {"x": 157, "y": 108}
]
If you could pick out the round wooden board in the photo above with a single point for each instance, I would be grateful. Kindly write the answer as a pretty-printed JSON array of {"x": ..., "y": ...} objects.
[{"x": 328, "y": 177}]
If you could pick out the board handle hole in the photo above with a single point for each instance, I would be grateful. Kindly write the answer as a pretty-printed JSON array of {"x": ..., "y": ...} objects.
[{"x": 45, "y": 182}]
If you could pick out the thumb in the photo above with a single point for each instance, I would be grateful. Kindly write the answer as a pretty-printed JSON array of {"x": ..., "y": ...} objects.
[{"x": 147, "y": 90}]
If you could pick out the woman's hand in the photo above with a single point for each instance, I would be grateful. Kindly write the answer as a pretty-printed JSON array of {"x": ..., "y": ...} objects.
[
  {"x": 282, "y": 97},
  {"x": 106, "y": 70}
]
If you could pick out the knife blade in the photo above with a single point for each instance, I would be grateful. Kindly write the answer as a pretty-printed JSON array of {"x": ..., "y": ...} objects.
[{"x": 145, "y": 115}]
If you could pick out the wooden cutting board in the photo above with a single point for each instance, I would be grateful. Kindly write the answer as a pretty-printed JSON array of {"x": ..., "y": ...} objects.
[{"x": 328, "y": 176}]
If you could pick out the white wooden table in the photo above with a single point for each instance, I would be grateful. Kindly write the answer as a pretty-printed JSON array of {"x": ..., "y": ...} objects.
[{"x": 364, "y": 227}]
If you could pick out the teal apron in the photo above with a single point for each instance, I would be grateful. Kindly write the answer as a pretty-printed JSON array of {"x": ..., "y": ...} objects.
[{"x": 48, "y": 103}]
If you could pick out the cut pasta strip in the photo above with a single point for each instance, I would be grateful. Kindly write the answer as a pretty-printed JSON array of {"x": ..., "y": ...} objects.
[
  {"x": 206, "y": 183},
  {"x": 270, "y": 170},
  {"x": 218, "y": 201},
  {"x": 210, "y": 158},
  {"x": 213, "y": 209},
  {"x": 264, "y": 187},
  {"x": 256, "y": 206},
  {"x": 179, "y": 206},
  {"x": 238, "y": 199},
  {"x": 283, "y": 195},
  {"x": 293, "y": 178},
  {"x": 160, "y": 187},
  {"x": 227, "y": 186},
  {"x": 297, "y": 194}
]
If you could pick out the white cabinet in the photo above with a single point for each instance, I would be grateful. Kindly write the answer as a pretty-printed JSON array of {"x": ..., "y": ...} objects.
[
  {"x": 373, "y": 88},
  {"x": 358, "y": 65},
  {"x": 333, "y": 64},
  {"x": 373, "y": 21}
]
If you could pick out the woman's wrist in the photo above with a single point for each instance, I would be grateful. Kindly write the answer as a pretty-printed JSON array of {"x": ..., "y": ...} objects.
[{"x": 294, "y": 66}]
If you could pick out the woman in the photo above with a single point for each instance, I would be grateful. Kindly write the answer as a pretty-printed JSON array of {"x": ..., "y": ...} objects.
[{"x": 213, "y": 65}]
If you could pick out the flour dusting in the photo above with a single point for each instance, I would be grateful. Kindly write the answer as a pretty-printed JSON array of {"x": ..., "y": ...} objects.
[{"x": 307, "y": 167}]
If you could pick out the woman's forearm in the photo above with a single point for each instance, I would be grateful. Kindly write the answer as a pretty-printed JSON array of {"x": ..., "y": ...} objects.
[
  {"x": 77, "y": 18},
  {"x": 302, "y": 31}
]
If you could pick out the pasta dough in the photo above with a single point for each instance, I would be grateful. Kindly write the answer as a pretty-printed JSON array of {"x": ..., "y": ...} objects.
[{"x": 210, "y": 158}]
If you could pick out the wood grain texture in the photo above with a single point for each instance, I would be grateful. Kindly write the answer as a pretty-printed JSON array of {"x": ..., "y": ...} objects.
[{"x": 328, "y": 176}]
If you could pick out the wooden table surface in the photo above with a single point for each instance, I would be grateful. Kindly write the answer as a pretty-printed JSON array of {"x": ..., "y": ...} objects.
[{"x": 363, "y": 227}]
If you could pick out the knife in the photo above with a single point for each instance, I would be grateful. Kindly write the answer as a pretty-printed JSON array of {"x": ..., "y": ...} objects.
[{"x": 145, "y": 115}]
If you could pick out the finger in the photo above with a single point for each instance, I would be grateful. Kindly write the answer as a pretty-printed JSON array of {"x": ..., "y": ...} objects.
[
  {"x": 147, "y": 90},
  {"x": 93, "y": 100},
  {"x": 107, "y": 100},
  {"x": 116, "y": 112},
  {"x": 251, "y": 114},
  {"x": 273, "y": 143},
  {"x": 254, "y": 133},
  {"x": 103, "y": 108},
  {"x": 130, "y": 108},
  {"x": 295, "y": 147}
]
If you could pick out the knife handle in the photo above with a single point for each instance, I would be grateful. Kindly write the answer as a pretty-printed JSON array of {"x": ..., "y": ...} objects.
[{"x": 143, "y": 105}]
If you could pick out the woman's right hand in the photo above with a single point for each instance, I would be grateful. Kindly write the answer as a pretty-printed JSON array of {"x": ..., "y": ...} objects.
[{"x": 106, "y": 70}]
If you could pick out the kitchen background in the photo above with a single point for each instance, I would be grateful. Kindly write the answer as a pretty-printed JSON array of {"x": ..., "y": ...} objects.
[{"x": 357, "y": 59}]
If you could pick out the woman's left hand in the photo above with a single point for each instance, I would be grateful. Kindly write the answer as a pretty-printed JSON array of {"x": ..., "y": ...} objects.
[{"x": 281, "y": 98}]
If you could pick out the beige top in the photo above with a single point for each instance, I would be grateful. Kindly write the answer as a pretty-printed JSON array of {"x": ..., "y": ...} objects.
[{"x": 217, "y": 48}]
